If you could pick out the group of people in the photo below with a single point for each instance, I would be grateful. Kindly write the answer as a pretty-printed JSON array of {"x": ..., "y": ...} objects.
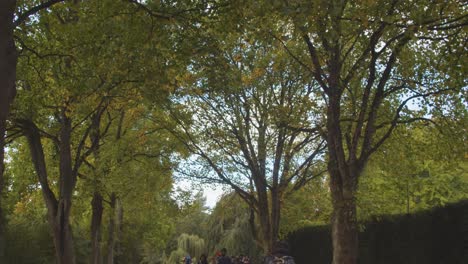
[
  {"x": 220, "y": 257},
  {"x": 278, "y": 255}
]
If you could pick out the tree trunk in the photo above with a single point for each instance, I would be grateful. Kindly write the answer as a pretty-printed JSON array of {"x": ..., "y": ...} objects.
[
  {"x": 343, "y": 184},
  {"x": 344, "y": 227},
  {"x": 344, "y": 221},
  {"x": 2, "y": 169},
  {"x": 58, "y": 211},
  {"x": 111, "y": 236},
  {"x": 63, "y": 238},
  {"x": 115, "y": 230},
  {"x": 96, "y": 222},
  {"x": 8, "y": 58},
  {"x": 264, "y": 215},
  {"x": 118, "y": 230},
  {"x": 275, "y": 213},
  {"x": 67, "y": 185},
  {"x": 265, "y": 228}
]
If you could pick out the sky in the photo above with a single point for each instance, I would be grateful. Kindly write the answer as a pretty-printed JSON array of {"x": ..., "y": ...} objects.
[{"x": 212, "y": 193}]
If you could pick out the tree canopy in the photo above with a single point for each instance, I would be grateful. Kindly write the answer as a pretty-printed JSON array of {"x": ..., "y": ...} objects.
[{"x": 308, "y": 112}]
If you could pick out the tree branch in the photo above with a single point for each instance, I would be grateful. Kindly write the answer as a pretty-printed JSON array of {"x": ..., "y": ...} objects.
[
  {"x": 22, "y": 17},
  {"x": 318, "y": 74},
  {"x": 151, "y": 12}
]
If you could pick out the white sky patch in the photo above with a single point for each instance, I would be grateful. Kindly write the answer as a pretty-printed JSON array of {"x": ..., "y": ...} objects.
[{"x": 211, "y": 192}]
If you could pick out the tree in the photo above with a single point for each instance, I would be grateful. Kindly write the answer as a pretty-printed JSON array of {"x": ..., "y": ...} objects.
[
  {"x": 420, "y": 167},
  {"x": 249, "y": 106},
  {"x": 311, "y": 205},
  {"x": 8, "y": 59},
  {"x": 60, "y": 114},
  {"x": 93, "y": 67},
  {"x": 230, "y": 223},
  {"x": 371, "y": 61}
]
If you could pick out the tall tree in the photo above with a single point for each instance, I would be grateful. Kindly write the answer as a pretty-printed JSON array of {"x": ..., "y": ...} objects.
[
  {"x": 70, "y": 107},
  {"x": 9, "y": 20},
  {"x": 7, "y": 92},
  {"x": 249, "y": 106},
  {"x": 373, "y": 61}
]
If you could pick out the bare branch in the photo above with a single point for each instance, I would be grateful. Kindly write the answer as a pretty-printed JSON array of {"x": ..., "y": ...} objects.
[
  {"x": 318, "y": 74},
  {"x": 407, "y": 121}
]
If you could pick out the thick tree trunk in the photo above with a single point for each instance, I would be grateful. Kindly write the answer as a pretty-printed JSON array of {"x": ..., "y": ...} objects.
[
  {"x": 343, "y": 184},
  {"x": 344, "y": 226},
  {"x": 58, "y": 211},
  {"x": 96, "y": 223},
  {"x": 2, "y": 169},
  {"x": 344, "y": 221},
  {"x": 275, "y": 213},
  {"x": 63, "y": 239},
  {"x": 115, "y": 230},
  {"x": 8, "y": 58},
  {"x": 265, "y": 227},
  {"x": 264, "y": 219},
  {"x": 67, "y": 185}
]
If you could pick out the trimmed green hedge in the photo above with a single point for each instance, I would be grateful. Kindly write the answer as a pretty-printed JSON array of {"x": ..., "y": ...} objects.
[{"x": 439, "y": 236}]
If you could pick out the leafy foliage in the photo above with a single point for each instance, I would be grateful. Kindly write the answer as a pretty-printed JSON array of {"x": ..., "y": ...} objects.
[{"x": 244, "y": 93}]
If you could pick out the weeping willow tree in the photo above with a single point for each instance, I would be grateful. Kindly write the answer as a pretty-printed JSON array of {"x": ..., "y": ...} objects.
[
  {"x": 238, "y": 238},
  {"x": 175, "y": 257},
  {"x": 231, "y": 228},
  {"x": 187, "y": 244}
]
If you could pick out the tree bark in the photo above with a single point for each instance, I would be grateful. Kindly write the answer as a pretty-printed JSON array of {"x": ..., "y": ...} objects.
[
  {"x": 67, "y": 185},
  {"x": 275, "y": 213},
  {"x": 344, "y": 220},
  {"x": 115, "y": 230},
  {"x": 344, "y": 225},
  {"x": 264, "y": 216},
  {"x": 58, "y": 211},
  {"x": 96, "y": 223},
  {"x": 343, "y": 185},
  {"x": 111, "y": 235},
  {"x": 265, "y": 227},
  {"x": 2, "y": 170},
  {"x": 118, "y": 230},
  {"x": 8, "y": 58},
  {"x": 63, "y": 238}
]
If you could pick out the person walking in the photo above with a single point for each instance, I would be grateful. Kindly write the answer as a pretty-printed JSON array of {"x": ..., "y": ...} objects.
[
  {"x": 279, "y": 254},
  {"x": 224, "y": 259},
  {"x": 188, "y": 259},
  {"x": 203, "y": 259}
]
